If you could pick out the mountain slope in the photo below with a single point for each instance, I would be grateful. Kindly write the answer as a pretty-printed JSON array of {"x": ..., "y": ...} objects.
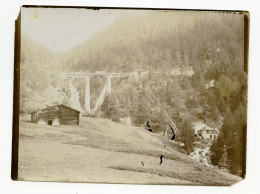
[
  {"x": 100, "y": 150},
  {"x": 156, "y": 45}
]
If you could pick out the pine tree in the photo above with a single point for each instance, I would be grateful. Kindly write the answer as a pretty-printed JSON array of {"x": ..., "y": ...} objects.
[
  {"x": 187, "y": 135},
  {"x": 216, "y": 150}
]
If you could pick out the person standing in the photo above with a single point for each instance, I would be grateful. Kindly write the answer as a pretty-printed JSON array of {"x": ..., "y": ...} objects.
[{"x": 161, "y": 157}]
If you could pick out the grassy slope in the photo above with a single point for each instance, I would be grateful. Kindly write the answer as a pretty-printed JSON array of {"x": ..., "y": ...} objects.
[{"x": 100, "y": 150}]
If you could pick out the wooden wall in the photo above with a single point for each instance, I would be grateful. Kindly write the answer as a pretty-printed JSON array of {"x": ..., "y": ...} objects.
[
  {"x": 54, "y": 112},
  {"x": 65, "y": 115},
  {"x": 69, "y": 116}
]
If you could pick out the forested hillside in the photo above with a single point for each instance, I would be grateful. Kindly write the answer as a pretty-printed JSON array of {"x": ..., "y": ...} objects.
[
  {"x": 34, "y": 67},
  {"x": 157, "y": 45}
]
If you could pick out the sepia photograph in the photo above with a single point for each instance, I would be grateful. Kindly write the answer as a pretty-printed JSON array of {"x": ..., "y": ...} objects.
[{"x": 130, "y": 96}]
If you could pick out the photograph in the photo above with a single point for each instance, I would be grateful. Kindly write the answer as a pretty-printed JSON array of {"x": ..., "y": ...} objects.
[{"x": 130, "y": 96}]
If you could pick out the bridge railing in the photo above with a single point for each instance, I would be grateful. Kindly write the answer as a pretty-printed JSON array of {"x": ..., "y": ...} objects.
[{"x": 84, "y": 75}]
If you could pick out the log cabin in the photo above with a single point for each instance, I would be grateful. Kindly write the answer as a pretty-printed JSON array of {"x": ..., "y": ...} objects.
[{"x": 56, "y": 115}]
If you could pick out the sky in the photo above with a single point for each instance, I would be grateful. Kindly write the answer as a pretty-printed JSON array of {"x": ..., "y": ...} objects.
[{"x": 60, "y": 29}]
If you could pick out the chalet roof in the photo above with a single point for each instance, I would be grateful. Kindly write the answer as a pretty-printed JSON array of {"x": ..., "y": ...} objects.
[
  {"x": 69, "y": 108},
  {"x": 56, "y": 106},
  {"x": 207, "y": 129},
  {"x": 200, "y": 126}
]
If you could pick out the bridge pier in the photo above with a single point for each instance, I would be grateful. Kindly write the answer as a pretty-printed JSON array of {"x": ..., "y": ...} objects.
[
  {"x": 109, "y": 84},
  {"x": 87, "y": 95},
  {"x": 107, "y": 88}
]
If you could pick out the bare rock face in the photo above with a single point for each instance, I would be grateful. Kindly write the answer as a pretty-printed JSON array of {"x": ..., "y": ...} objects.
[
  {"x": 74, "y": 97},
  {"x": 61, "y": 92}
]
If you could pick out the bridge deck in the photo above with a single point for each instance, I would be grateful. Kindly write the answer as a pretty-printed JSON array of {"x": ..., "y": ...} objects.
[{"x": 84, "y": 75}]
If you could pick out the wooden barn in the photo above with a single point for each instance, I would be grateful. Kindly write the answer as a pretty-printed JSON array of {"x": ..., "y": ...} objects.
[{"x": 56, "y": 115}]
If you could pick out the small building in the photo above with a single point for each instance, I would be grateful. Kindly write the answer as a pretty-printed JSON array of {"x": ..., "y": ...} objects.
[
  {"x": 208, "y": 133},
  {"x": 56, "y": 115},
  {"x": 204, "y": 131}
]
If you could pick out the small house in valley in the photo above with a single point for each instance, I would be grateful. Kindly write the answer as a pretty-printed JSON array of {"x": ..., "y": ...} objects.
[
  {"x": 208, "y": 133},
  {"x": 56, "y": 115},
  {"x": 204, "y": 131}
]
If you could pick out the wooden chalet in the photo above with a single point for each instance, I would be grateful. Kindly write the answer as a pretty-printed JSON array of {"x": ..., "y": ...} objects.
[{"x": 56, "y": 115}]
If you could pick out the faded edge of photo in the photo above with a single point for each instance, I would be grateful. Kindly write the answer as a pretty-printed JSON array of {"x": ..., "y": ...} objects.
[
  {"x": 16, "y": 94},
  {"x": 16, "y": 98},
  {"x": 246, "y": 51}
]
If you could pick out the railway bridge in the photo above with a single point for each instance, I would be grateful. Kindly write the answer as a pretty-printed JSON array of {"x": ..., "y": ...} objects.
[{"x": 106, "y": 89}]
